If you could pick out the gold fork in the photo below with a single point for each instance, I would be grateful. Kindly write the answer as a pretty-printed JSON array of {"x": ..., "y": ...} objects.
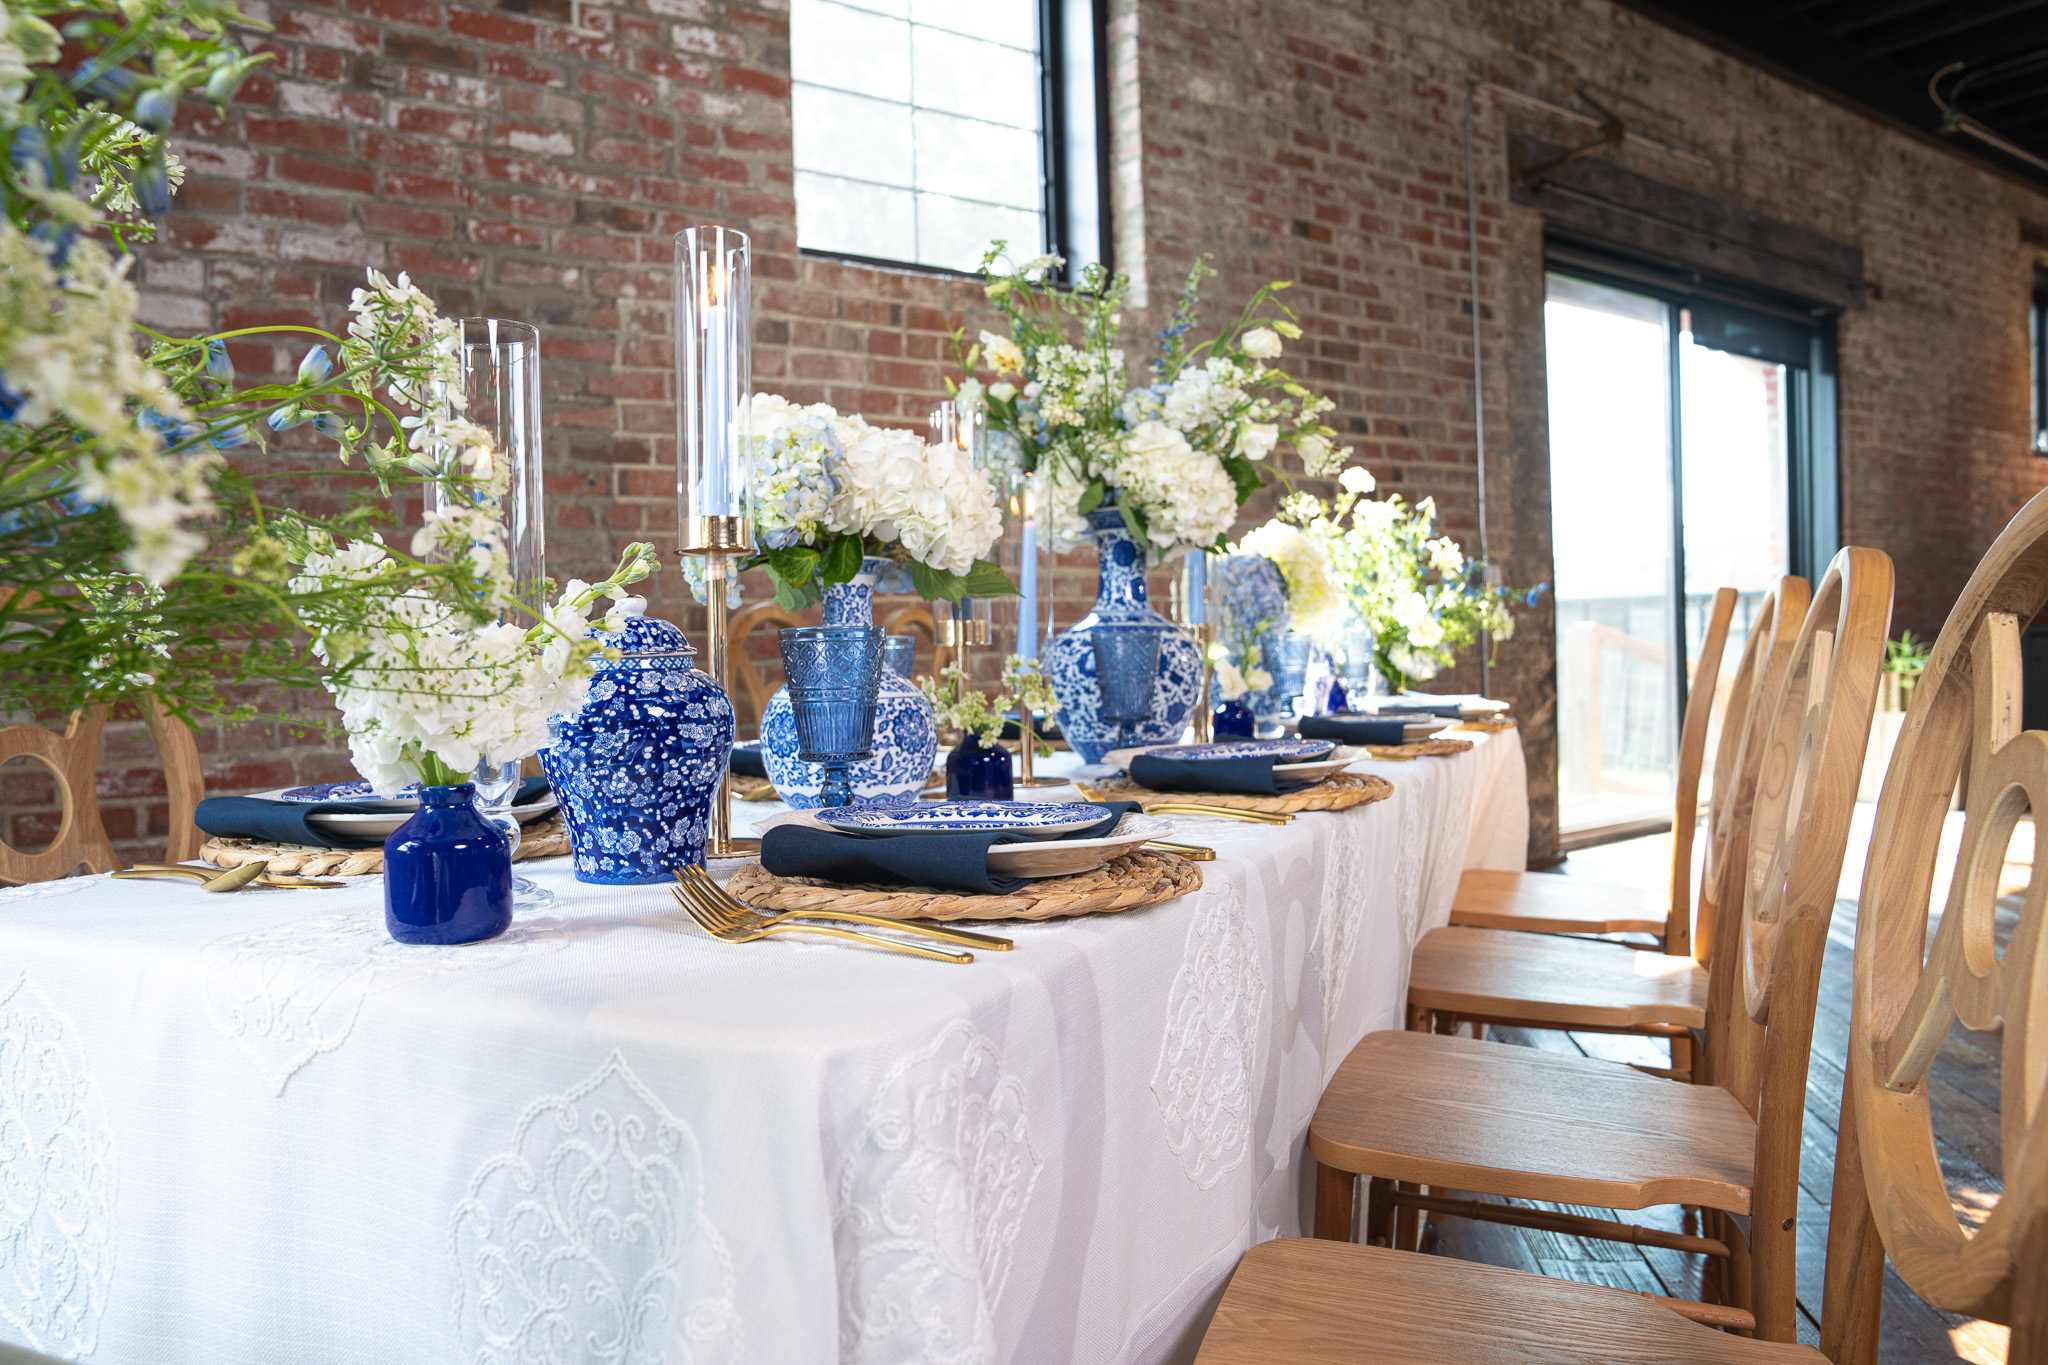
[
  {"x": 1255, "y": 817},
  {"x": 748, "y": 917},
  {"x": 1194, "y": 853},
  {"x": 715, "y": 923}
]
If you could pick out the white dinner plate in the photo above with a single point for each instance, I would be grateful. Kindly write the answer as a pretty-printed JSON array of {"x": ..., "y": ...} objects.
[
  {"x": 1027, "y": 819},
  {"x": 396, "y": 811}
]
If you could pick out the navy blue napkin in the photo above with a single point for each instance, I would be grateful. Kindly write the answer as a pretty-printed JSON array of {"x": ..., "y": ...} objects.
[
  {"x": 284, "y": 822},
  {"x": 950, "y": 862},
  {"x": 1251, "y": 775},
  {"x": 747, "y": 761},
  {"x": 1354, "y": 729}
]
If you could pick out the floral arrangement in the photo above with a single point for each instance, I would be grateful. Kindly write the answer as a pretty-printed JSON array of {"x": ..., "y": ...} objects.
[
  {"x": 1314, "y": 606},
  {"x": 828, "y": 490},
  {"x": 958, "y": 706},
  {"x": 1178, "y": 455},
  {"x": 1029, "y": 693},
  {"x": 1420, "y": 597}
]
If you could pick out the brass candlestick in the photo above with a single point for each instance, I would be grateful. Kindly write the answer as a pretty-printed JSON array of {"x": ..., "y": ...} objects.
[
  {"x": 1202, "y": 633},
  {"x": 1027, "y": 754},
  {"x": 720, "y": 540}
]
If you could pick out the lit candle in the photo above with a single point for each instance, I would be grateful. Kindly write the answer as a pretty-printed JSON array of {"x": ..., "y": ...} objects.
[
  {"x": 1198, "y": 586},
  {"x": 1027, "y": 572},
  {"x": 715, "y": 497}
]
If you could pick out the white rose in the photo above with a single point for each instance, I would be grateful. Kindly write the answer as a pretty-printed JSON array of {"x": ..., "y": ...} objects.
[
  {"x": 1002, "y": 391},
  {"x": 1004, "y": 356},
  {"x": 1312, "y": 449},
  {"x": 1259, "y": 679},
  {"x": 1255, "y": 440},
  {"x": 1229, "y": 680},
  {"x": 1262, "y": 342}
]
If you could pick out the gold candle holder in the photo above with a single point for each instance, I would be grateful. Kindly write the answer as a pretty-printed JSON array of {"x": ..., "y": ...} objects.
[
  {"x": 720, "y": 540},
  {"x": 1203, "y": 633}
]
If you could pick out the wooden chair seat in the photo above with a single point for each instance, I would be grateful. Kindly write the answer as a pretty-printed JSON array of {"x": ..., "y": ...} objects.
[
  {"x": 1434, "y": 1109},
  {"x": 1544, "y": 903},
  {"x": 1499, "y": 977},
  {"x": 1305, "y": 1302}
]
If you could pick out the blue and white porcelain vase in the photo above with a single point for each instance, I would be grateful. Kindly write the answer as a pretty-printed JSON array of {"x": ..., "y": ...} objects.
[
  {"x": 638, "y": 765},
  {"x": 906, "y": 732},
  {"x": 1120, "y": 605},
  {"x": 1250, "y": 589}
]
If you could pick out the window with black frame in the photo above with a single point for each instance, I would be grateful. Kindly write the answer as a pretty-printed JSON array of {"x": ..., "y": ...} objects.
[
  {"x": 2037, "y": 330},
  {"x": 924, "y": 129}
]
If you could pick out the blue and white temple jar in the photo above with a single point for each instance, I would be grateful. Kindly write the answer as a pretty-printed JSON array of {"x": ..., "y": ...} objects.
[
  {"x": 638, "y": 764},
  {"x": 1120, "y": 605},
  {"x": 1249, "y": 590},
  {"x": 906, "y": 731}
]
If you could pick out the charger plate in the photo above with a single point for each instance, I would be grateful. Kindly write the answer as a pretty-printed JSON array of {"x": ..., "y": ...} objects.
[
  {"x": 1428, "y": 748},
  {"x": 1486, "y": 727},
  {"x": 547, "y": 838},
  {"x": 1136, "y": 879},
  {"x": 1339, "y": 791}
]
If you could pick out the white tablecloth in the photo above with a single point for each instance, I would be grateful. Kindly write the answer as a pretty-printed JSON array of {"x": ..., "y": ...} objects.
[{"x": 253, "y": 1129}]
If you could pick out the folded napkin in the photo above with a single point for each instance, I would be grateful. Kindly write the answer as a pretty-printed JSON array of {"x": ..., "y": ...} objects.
[
  {"x": 953, "y": 862},
  {"x": 284, "y": 822},
  {"x": 1448, "y": 705},
  {"x": 1252, "y": 775},
  {"x": 1354, "y": 729},
  {"x": 747, "y": 761}
]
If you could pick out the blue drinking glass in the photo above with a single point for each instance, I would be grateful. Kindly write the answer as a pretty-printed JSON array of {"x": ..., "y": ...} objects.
[
  {"x": 899, "y": 655},
  {"x": 1126, "y": 674},
  {"x": 834, "y": 675}
]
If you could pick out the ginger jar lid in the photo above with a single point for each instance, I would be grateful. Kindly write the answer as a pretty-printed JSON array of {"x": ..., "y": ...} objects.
[{"x": 643, "y": 636}]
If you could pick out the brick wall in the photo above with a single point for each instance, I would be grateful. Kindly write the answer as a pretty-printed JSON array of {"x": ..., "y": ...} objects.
[{"x": 533, "y": 159}]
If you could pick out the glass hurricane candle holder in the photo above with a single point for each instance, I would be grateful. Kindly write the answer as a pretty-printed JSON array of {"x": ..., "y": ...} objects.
[
  {"x": 899, "y": 655},
  {"x": 834, "y": 675},
  {"x": 713, "y": 345}
]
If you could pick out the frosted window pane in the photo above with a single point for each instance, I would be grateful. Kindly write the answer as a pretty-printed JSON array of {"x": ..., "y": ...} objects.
[
  {"x": 849, "y": 49},
  {"x": 835, "y": 214},
  {"x": 974, "y": 160},
  {"x": 1011, "y": 22},
  {"x": 851, "y": 135},
  {"x": 983, "y": 80},
  {"x": 955, "y": 232}
]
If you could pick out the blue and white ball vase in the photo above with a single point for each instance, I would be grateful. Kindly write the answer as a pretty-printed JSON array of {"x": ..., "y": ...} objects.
[
  {"x": 637, "y": 767},
  {"x": 906, "y": 730},
  {"x": 1120, "y": 604}
]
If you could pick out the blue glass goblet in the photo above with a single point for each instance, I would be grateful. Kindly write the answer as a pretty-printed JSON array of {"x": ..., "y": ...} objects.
[
  {"x": 899, "y": 655},
  {"x": 834, "y": 675},
  {"x": 1126, "y": 674}
]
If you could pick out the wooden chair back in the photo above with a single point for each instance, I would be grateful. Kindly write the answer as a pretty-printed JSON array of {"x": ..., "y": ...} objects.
[
  {"x": 1890, "y": 1198},
  {"x": 1692, "y": 747},
  {"x": 917, "y": 617},
  {"x": 750, "y": 693},
  {"x": 183, "y": 781},
  {"x": 72, "y": 758},
  {"x": 1812, "y": 739},
  {"x": 1772, "y": 633}
]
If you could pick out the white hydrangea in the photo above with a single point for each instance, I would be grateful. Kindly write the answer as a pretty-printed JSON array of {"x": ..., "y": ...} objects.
[
  {"x": 1357, "y": 480},
  {"x": 897, "y": 488},
  {"x": 1411, "y": 612},
  {"x": 1446, "y": 557},
  {"x": 1186, "y": 497},
  {"x": 789, "y": 473},
  {"x": 1200, "y": 397},
  {"x": 1314, "y": 603}
]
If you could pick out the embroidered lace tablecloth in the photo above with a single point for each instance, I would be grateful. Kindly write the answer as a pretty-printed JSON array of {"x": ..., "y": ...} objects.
[{"x": 251, "y": 1129}]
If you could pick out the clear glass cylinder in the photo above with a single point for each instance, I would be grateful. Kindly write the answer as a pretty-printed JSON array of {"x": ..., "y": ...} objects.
[
  {"x": 713, "y": 349},
  {"x": 501, "y": 393}
]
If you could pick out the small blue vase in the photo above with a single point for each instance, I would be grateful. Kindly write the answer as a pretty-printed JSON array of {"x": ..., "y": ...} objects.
[
  {"x": 977, "y": 772},
  {"x": 447, "y": 872},
  {"x": 1233, "y": 720},
  {"x": 1120, "y": 606}
]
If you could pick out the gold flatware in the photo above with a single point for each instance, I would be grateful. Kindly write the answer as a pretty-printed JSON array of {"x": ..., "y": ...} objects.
[
  {"x": 716, "y": 923},
  {"x": 270, "y": 879},
  {"x": 233, "y": 879},
  {"x": 1194, "y": 853},
  {"x": 748, "y": 917}
]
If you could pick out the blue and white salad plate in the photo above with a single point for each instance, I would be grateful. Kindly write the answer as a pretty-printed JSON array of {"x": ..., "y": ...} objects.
[
  {"x": 1293, "y": 750},
  {"x": 346, "y": 791},
  {"x": 1031, "y": 819}
]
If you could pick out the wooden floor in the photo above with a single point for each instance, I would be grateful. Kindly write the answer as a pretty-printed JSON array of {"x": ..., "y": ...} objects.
[{"x": 1964, "y": 1090}]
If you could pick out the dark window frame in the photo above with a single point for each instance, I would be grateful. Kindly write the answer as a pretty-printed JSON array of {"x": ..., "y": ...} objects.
[{"x": 2037, "y": 337}]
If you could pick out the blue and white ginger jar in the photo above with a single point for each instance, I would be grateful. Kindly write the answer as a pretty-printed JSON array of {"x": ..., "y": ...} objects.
[
  {"x": 906, "y": 731},
  {"x": 637, "y": 766},
  {"x": 1120, "y": 604},
  {"x": 1251, "y": 589}
]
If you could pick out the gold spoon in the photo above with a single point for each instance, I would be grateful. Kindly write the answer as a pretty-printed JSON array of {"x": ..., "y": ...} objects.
[{"x": 233, "y": 879}]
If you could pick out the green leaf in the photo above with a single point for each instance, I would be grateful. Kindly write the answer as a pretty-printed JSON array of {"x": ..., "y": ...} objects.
[
  {"x": 1134, "y": 522},
  {"x": 937, "y": 585},
  {"x": 986, "y": 580},
  {"x": 1246, "y": 475},
  {"x": 795, "y": 565},
  {"x": 842, "y": 559},
  {"x": 793, "y": 597},
  {"x": 1092, "y": 496}
]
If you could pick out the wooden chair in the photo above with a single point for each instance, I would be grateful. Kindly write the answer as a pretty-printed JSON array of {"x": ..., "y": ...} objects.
[
  {"x": 917, "y": 617},
  {"x": 1558, "y": 905},
  {"x": 1300, "y": 1301},
  {"x": 72, "y": 758},
  {"x": 1499, "y": 977},
  {"x": 1436, "y": 1110},
  {"x": 750, "y": 693}
]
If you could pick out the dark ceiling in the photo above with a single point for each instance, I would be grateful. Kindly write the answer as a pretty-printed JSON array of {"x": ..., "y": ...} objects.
[{"x": 1986, "y": 60}]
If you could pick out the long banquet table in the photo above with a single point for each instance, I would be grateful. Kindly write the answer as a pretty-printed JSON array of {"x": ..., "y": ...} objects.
[{"x": 252, "y": 1128}]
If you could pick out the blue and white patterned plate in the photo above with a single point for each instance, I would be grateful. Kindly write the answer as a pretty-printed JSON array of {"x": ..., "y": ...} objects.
[
  {"x": 1032, "y": 819},
  {"x": 1298, "y": 750},
  {"x": 345, "y": 791}
]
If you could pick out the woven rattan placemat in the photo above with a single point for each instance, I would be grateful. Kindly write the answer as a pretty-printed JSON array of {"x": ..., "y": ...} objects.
[
  {"x": 1340, "y": 791},
  {"x": 1424, "y": 748},
  {"x": 1124, "y": 883},
  {"x": 1484, "y": 727},
  {"x": 547, "y": 838}
]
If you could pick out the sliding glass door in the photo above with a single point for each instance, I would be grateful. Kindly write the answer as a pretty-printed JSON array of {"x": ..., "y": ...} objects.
[{"x": 1682, "y": 433}]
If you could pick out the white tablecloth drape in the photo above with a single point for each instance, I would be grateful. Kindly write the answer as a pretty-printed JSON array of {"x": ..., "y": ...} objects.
[{"x": 250, "y": 1129}]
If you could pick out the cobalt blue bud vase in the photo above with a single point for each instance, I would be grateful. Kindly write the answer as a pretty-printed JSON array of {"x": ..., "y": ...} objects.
[
  {"x": 1092, "y": 722},
  {"x": 1233, "y": 720},
  {"x": 906, "y": 736},
  {"x": 979, "y": 772},
  {"x": 638, "y": 765},
  {"x": 447, "y": 872}
]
